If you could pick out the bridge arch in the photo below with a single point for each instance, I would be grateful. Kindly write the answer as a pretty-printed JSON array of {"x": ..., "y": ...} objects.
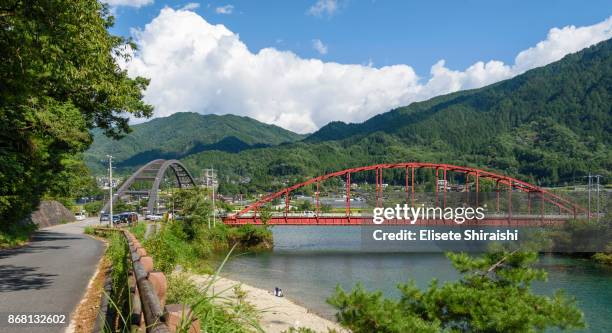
[
  {"x": 440, "y": 171},
  {"x": 154, "y": 171}
]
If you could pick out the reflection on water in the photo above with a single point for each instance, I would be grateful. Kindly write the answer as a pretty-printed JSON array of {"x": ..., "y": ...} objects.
[{"x": 308, "y": 262}]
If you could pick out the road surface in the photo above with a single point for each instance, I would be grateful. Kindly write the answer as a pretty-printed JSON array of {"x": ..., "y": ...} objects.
[{"x": 48, "y": 275}]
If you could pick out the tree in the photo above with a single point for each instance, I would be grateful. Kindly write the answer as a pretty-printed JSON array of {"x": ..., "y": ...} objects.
[
  {"x": 59, "y": 77},
  {"x": 326, "y": 208},
  {"x": 304, "y": 205},
  {"x": 195, "y": 206},
  {"x": 93, "y": 207},
  {"x": 493, "y": 295},
  {"x": 265, "y": 214}
]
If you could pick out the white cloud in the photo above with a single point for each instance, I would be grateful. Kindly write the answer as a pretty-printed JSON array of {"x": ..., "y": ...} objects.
[
  {"x": 323, "y": 7},
  {"x": 227, "y": 9},
  {"x": 560, "y": 42},
  {"x": 318, "y": 45},
  {"x": 128, "y": 3},
  {"x": 196, "y": 66},
  {"x": 191, "y": 6}
]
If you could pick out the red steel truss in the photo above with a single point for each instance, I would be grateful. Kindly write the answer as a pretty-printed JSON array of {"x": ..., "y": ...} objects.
[{"x": 565, "y": 205}]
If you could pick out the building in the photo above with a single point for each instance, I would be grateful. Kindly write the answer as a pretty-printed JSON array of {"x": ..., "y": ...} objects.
[
  {"x": 443, "y": 185},
  {"x": 103, "y": 183}
]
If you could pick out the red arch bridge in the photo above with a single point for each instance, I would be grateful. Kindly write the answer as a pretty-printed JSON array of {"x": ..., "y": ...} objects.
[{"x": 508, "y": 202}]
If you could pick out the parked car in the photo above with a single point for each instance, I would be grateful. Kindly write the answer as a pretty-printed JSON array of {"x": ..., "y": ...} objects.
[
  {"x": 104, "y": 218},
  {"x": 128, "y": 217},
  {"x": 154, "y": 217}
]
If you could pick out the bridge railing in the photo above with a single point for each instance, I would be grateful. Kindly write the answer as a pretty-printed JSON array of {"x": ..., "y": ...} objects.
[{"x": 148, "y": 289}]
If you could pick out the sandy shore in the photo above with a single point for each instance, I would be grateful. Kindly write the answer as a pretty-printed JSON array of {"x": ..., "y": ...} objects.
[{"x": 277, "y": 313}]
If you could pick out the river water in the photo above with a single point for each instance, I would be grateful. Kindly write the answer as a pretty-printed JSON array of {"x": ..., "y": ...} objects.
[{"x": 309, "y": 261}]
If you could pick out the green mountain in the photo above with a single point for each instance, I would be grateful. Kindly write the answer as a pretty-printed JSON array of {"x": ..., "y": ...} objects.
[
  {"x": 573, "y": 92},
  {"x": 550, "y": 125},
  {"x": 181, "y": 135}
]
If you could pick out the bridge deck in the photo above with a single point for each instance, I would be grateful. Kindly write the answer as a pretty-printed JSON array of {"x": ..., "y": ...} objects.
[{"x": 527, "y": 221}]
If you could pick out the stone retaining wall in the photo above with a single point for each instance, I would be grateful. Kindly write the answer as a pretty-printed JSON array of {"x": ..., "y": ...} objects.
[{"x": 51, "y": 213}]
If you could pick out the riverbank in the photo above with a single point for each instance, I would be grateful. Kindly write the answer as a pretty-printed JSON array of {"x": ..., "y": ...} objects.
[{"x": 277, "y": 314}]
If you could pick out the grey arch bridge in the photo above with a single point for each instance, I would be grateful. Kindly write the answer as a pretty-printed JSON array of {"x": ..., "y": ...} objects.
[{"x": 153, "y": 171}]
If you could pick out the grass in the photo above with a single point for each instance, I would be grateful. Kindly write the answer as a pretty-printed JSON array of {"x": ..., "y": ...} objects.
[
  {"x": 89, "y": 230},
  {"x": 216, "y": 314},
  {"x": 119, "y": 298},
  {"x": 197, "y": 248},
  {"x": 168, "y": 248},
  {"x": 117, "y": 252},
  {"x": 16, "y": 235}
]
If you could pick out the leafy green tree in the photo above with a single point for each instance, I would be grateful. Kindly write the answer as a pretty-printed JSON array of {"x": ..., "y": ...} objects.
[
  {"x": 304, "y": 205},
  {"x": 265, "y": 214},
  {"x": 326, "y": 208},
  {"x": 493, "y": 295},
  {"x": 195, "y": 206},
  {"x": 93, "y": 207},
  {"x": 59, "y": 77}
]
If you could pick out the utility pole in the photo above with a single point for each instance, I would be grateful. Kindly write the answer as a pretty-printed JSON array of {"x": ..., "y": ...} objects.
[
  {"x": 597, "y": 178},
  {"x": 212, "y": 176},
  {"x": 589, "y": 189},
  {"x": 110, "y": 188}
]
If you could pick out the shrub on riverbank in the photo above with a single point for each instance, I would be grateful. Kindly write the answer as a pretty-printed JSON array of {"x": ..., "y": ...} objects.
[
  {"x": 493, "y": 295},
  {"x": 582, "y": 238},
  {"x": 13, "y": 235},
  {"x": 196, "y": 239},
  {"x": 604, "y": 258}
]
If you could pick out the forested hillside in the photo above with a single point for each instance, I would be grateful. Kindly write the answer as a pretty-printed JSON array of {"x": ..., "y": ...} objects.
[
  {"x": 573, "y": 92},
  {"x": 551, "y": 125},
  {"x": 182, "y": 134}
]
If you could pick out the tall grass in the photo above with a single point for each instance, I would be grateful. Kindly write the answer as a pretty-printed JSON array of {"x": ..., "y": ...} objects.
[
  {"x": 196, "y": 247},
  {"x": 119, "y": 298},
  {"x": 216, "y": 313}
]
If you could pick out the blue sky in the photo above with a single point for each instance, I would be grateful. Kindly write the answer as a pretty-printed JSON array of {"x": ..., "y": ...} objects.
[
  {"x": 417, "y": 33},
  {"x": 302, "y": 64}
]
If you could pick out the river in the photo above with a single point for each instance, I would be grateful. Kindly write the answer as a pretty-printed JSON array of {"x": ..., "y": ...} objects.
[{"x": 309, "y": 261}]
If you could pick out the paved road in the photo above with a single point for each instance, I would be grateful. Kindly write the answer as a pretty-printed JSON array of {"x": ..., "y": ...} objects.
[{"x": 49, "y": 275}]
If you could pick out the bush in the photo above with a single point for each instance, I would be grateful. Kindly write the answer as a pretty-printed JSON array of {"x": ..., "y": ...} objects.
[
  {"x": 193, "y": 245},
  {"x": 249, "y": 235},
  {"x": 162, "y": 247},
  {"x": 582, "y": 235},
  {"x": 603, "y": 258},
  {"x": 89, "y": 230},
  {"x": 13, "y": 235},
  {"x": 93, "y": 208}
]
